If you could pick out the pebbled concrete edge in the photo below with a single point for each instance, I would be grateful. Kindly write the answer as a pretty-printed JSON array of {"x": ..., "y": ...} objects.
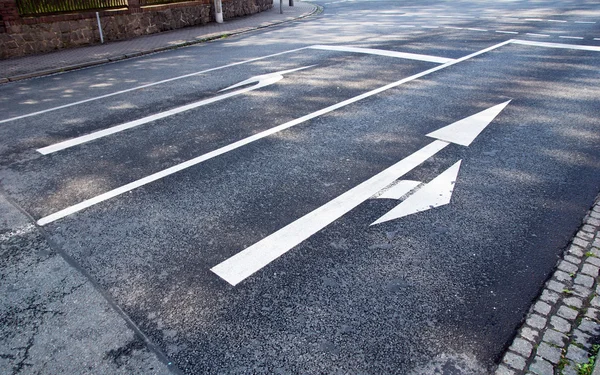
[
  {"x": 564, "y": 322},
  {"x": 316, "y": 10}
]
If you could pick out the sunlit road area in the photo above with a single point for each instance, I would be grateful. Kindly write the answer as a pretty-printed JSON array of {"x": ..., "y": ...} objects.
[{"x": 382, "y": 188}]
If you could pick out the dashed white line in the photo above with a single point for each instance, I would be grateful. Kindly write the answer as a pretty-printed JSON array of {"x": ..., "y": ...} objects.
[
  {"x": 596, "y": 38},
  {"x": 585, "y": 21},
  {"x": 570, "y": 37},
  {"x": 475, "y": 29},
  {"x": 534, "y": 19},
  {"x": 539, "y": 35},
  {"x": 430, "y": 27},
  {"x": 560, "y": 21},
  {"x": 453, "y": 27},
  {"x": 506, "y": 32}
]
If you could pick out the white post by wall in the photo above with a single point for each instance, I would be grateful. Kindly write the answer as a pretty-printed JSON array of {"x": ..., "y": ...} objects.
[
  {"x": 218, "y": 11},
  {"x": 99, "y": 28}
]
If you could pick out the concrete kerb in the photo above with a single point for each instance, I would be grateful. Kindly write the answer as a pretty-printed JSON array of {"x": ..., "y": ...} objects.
[
  {"x": 316, "y": 10},
  {"x": 563, "y": 323}
]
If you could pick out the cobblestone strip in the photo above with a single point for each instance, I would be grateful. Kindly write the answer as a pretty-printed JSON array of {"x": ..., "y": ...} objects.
[{"x": 564, "y": 322}]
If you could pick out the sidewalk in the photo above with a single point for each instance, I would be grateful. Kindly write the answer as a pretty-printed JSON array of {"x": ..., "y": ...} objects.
[
  {"x": 74, "y": 58},
  {"x": 560, "y": 333}
]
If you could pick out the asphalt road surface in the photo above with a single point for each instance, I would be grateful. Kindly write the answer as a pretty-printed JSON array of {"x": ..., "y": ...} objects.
[{"x": 293, "y": 167}]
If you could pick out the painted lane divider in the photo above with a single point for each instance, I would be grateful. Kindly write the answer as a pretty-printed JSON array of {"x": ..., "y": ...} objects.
[
  {"x": 261, "y": 81},
  {"x": 250, "y": 260},
  {"x": 242, "y": 142},
  {"x": 148, "y": 85},
  {"x": 381, "y": 52}
]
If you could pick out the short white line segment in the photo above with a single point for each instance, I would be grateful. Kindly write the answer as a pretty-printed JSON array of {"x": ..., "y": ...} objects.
[
  {"x": 556, "y": 45},
  {"x": 506, "y": 32},
  {"x": 381, "y": 52},
  {"x": 538, "y": 35},
  {"x": 570, "y": 37}
]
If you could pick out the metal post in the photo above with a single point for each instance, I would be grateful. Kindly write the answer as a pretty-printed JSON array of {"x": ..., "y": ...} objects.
[
  {"x": 99, "y": 28},
  {"x": 280, "y": 6},
  {"x": 291, "y": 3},
  {"x": 218, "y": 11}
]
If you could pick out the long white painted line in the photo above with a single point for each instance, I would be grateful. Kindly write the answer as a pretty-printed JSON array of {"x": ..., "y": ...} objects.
[
  {"x": 561, "y": 21},
  {"x": 507, "y": 32},
  {"x": 262, "y": 81},
  {"x": 381, "y": 52},
  {"x": 220, "y": 151},
  {"x": 585, "y": 21},
  {"x": 596, "y": 38},
  {"x": 475, "y": 29},
  {"x": 430, "y": 27},
  {"x": 556, "y": 45},
  {"x": 570, "y": 37},
  {"x": 453, "y": 27},
  {"x": 248, "y": 261},
  {"x": 533, "y": 19},
  {"x": 538, "y": 35},
  {"x": 148, "y": 85}
]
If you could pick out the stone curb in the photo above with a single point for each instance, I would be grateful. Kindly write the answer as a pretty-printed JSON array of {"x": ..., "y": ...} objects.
[
  {"x": 316, "y": 9},
  {"x": 564, "y": 322}
]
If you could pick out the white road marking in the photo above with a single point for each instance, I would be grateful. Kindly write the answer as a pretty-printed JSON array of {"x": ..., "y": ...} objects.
[
  {"x": 398, "y": 189},
  {"x": 489, "y": 17},
  {"x": 585, "y": 21},
  {"x": 561, "y": 21},
  {"x": 475, "y": 29},
  {"x": 179, "y": 167},
  {"x": 262, "y": 81},
  {"x": 538, "y": 35},
  {"x": 436, "y": 193},
  {"x": 463, "y": 132},
  {"x": 533, "y": 19},
  {"x": 570, "y": 37},
  {"x": 147, "y": 85},
  {"x": 381, "y": 52},
  {"x": 506, "y": 32},
  {"x": 556, "y": 45},
  {"x": 248, "y": 261},
  {"x": 596, "y": 38},
  {"x": 430, "y": 27},
  {"x": 453, "y": 27}
]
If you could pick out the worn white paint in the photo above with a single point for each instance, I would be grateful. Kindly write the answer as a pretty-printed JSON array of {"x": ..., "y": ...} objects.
[
  {"x": 381, "y": 52},
  {"x": 261, "y": 81},
  {"x": 507, "y": 32},
  {"x": 436, "y": 193},
  {"x": 398, "y": 189},
  {"x": 463, "y": 132},
  {"x": 250, "y": 260}
]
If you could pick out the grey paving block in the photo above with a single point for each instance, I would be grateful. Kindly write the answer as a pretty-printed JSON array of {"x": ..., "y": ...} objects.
[
  {"x": 514, "y": 361},
  {"x": 556, "y": 338},
  {"x": 567, "y": 313},
  {"x": 550, "y": 353},
  {"x": 541, "y": 367},
  {"x": 576, "y": 354},
  {"x": 522, "y": 347}
]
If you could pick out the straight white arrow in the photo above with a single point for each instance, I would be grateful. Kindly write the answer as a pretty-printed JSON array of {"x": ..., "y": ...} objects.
[
  {"x": 252, "y": 259},
  {"x": 261, "y": 81}
]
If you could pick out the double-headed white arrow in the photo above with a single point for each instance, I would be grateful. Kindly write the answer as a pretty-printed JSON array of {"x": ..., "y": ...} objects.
[{"x": 247, "y": 262}]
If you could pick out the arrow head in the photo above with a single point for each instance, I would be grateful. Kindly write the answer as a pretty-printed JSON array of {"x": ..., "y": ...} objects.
[
  {"x": 465, "y": 131},
  {"x": 435, "y": 193}
]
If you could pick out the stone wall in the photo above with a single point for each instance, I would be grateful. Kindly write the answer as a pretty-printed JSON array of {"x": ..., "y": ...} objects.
[{"x": 30, "y": 35}]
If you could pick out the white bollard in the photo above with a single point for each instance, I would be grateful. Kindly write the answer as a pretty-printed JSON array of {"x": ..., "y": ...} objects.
[
  {"x": 218, "y": 11},
  {"x": 99, "y": 28}
]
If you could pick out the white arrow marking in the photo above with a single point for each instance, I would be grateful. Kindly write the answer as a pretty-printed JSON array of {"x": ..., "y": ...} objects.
[
  {"x": 261, "y": 81},
  {"x": 437, "y": 192},
  {"x": 250, "y": 260},
  {"x": 463, "y": 132},
  {"x": 398, "y": 189}
]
